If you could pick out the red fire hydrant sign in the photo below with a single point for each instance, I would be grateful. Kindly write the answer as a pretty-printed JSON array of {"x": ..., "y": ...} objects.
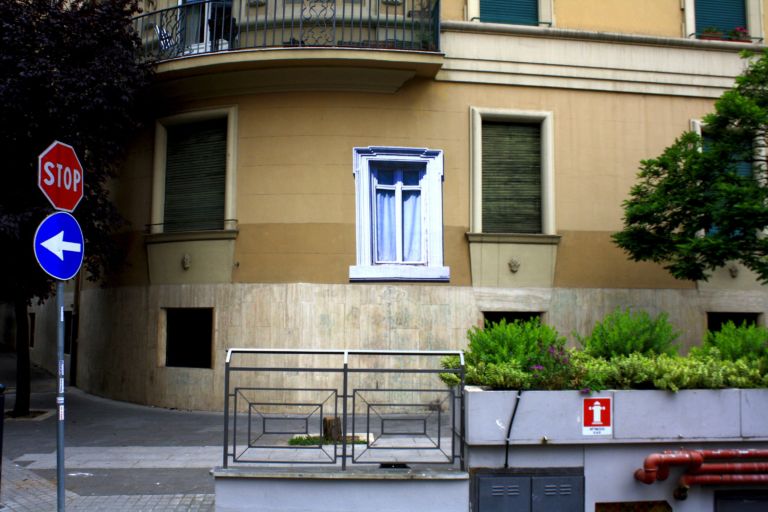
[{"x": 597, "y": 417}]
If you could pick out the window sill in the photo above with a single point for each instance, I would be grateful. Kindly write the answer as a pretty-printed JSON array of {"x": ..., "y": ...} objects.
[
  {"x": 513, "y": 238},
  {"x": 189, "y": 236},
  {"x": 398, "y": 273}
]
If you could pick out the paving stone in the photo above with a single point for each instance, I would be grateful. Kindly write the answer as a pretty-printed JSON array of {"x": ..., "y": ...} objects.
[{"x": 24, "y": 491}]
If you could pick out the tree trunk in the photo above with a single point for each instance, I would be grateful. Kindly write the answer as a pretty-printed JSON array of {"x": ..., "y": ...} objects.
[
  {"x": 23, "y": 388},
  {"x": 331, "y": 429}
]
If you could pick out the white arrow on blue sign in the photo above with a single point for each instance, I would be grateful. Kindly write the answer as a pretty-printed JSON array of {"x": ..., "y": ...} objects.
[{"x": 59, "y": 245}]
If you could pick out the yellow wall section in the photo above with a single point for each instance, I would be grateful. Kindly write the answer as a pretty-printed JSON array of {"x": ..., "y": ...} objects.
[
  {"x": 319, "y": 253},
  {"x": 295, "y": 187},
  {"x": 589, "y": 259},
  {"x": 651, "y": 17},
  {"x": 452, "y": 10}
]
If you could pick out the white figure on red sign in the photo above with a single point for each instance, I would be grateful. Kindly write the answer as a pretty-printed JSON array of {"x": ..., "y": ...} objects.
[{"x": 597, "y": 412}]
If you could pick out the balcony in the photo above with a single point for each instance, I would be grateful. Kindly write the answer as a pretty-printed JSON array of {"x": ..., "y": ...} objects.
[{"x": 394, "y": 40}]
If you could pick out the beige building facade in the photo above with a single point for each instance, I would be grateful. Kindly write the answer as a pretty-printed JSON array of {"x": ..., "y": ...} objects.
[{"x": 353, "y": 189}]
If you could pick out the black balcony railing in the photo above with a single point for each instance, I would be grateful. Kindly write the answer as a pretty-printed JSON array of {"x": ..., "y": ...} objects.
[
  {"x": 334, "y": 407},
  {"x": 215, "y": 26}
]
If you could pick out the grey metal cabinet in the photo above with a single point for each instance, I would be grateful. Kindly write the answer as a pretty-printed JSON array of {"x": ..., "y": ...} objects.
[
  {"x": 557, "y": 493},
  {"x": 496, "y": 493},
  {"x": 529, "y": 493}
]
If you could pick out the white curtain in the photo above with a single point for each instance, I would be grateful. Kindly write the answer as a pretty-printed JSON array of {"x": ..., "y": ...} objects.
[
  {"x": 394, "y": 203},
  {"x": 411, "y": 225},
  {"x": 386, "y": 250}
]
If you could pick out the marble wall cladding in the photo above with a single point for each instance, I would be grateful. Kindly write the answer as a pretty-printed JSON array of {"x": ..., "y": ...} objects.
[
  {"x": 122, "y": 340},
  {"x": 122, "y": 335}
]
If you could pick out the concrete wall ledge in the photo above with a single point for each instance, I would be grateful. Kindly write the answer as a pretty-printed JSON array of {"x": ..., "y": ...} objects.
[
  {"x": 319, "y": 473},
  {"x": 330, "y": 490}
]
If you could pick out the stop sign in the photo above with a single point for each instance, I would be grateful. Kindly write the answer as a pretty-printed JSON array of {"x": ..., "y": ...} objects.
[{"x": 60, "y": 176}]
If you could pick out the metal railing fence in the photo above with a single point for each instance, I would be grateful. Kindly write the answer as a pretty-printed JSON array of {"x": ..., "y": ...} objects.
[
  {"x": 215, "y": 26},
  {"x": 334, "y": 407}
]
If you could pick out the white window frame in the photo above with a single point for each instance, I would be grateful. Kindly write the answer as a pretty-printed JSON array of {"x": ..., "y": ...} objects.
[
  {"x": 399, "y": 188},
  {"x": 754, "y": 18},
  {"x": 160, "y": 161},
  {"x": 545, "y": 119},
  {"x": 546, "y": 12},
  {"x": 431, "y": 268}
]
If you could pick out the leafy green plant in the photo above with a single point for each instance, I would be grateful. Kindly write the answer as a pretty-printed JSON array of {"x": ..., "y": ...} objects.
[
  {"x": 526, "y": 342},
  {"x": 733, "y": 343},
  {"x": 623, "y": 333},
  {"x": 506, "y": 375},
  {"x": 592, "y": 373},
  {"x": 450, "y": 363},
  {"x": 517, "y": 355},
  {"x": 688, "y": 189},
  {"x": 628, "y": 352}
]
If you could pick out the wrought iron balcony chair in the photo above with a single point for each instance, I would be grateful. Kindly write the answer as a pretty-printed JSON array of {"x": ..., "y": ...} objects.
[{"x": 170, "y": 44}]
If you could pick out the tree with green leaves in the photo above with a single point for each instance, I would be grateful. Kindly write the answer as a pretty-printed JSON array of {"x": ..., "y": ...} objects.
[
  {"x": 70, "y": 70},
  {"x": 704, "y": 201}
]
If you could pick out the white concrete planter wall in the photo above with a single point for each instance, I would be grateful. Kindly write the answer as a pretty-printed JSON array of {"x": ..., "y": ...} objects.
[
  {"x": 547, "y": 437},
  {"x": 639, "y": 416}
]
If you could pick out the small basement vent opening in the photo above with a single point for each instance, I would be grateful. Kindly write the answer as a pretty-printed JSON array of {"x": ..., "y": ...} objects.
[
  {"x": 494, "y": 317},
  {"x": 188, "y": 337},
  {"x": 715, "y": 321}
]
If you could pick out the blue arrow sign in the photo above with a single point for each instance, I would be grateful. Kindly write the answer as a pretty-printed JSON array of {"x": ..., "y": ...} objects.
[{"x": 59, "y": 245}]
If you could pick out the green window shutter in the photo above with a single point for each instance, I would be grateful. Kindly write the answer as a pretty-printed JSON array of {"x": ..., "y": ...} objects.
[
  {"x": 516, "y": 12},
  {"x": 195, "y": 176},
  {"x": 511, "y": 177},
  {"x": 723, "y": 14}
]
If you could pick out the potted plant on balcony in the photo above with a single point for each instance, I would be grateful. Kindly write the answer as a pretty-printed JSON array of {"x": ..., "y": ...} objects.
[
  {"x": 711, "y": 33},
  {"x": 740, "y": 34}
]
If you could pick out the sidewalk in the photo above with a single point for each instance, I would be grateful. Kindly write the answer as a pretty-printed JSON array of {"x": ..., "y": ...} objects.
[{"x": 118, "y": 456}]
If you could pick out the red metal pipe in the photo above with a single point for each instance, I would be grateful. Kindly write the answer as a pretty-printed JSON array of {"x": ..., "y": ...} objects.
[
  {"x": 730, "y": 467},
  {"x": 734, "y": 454},
  {"x": 656, "y": 465},
  {"x": 689, "y": 480}
]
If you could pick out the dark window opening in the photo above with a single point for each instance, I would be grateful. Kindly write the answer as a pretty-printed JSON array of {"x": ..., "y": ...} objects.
[
  {"x": 495, "y": 317},
  {"x": 189, "y": 337},
  {"x": 741, "y": 501},
  {"x": 634, "y": 506},
  {"x": 32, "y": 330},
  {"x": 715, "y": 321}
]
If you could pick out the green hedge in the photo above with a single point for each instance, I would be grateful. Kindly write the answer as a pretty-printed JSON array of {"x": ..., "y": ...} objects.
[{"x": 626, "y": 351}]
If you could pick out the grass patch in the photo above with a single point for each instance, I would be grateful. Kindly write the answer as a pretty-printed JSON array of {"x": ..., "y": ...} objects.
[{"x": 319, "y": 440}]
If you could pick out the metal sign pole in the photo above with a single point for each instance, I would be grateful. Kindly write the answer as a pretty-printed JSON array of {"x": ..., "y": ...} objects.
[
  {"x": 59, "y": 247},
  {"x": 60, "y": 397}
]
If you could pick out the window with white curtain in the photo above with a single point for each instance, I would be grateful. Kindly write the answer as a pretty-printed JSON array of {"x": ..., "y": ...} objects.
[{"x": 399, "y": 214}]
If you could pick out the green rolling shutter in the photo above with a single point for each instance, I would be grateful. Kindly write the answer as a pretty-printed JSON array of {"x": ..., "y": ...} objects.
[
  {"x": 516, "y": 12},
  {"x": 723, "y": 14},
  {"x": 195, "y": 175},
  {"x": 511, "y": 177}
]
